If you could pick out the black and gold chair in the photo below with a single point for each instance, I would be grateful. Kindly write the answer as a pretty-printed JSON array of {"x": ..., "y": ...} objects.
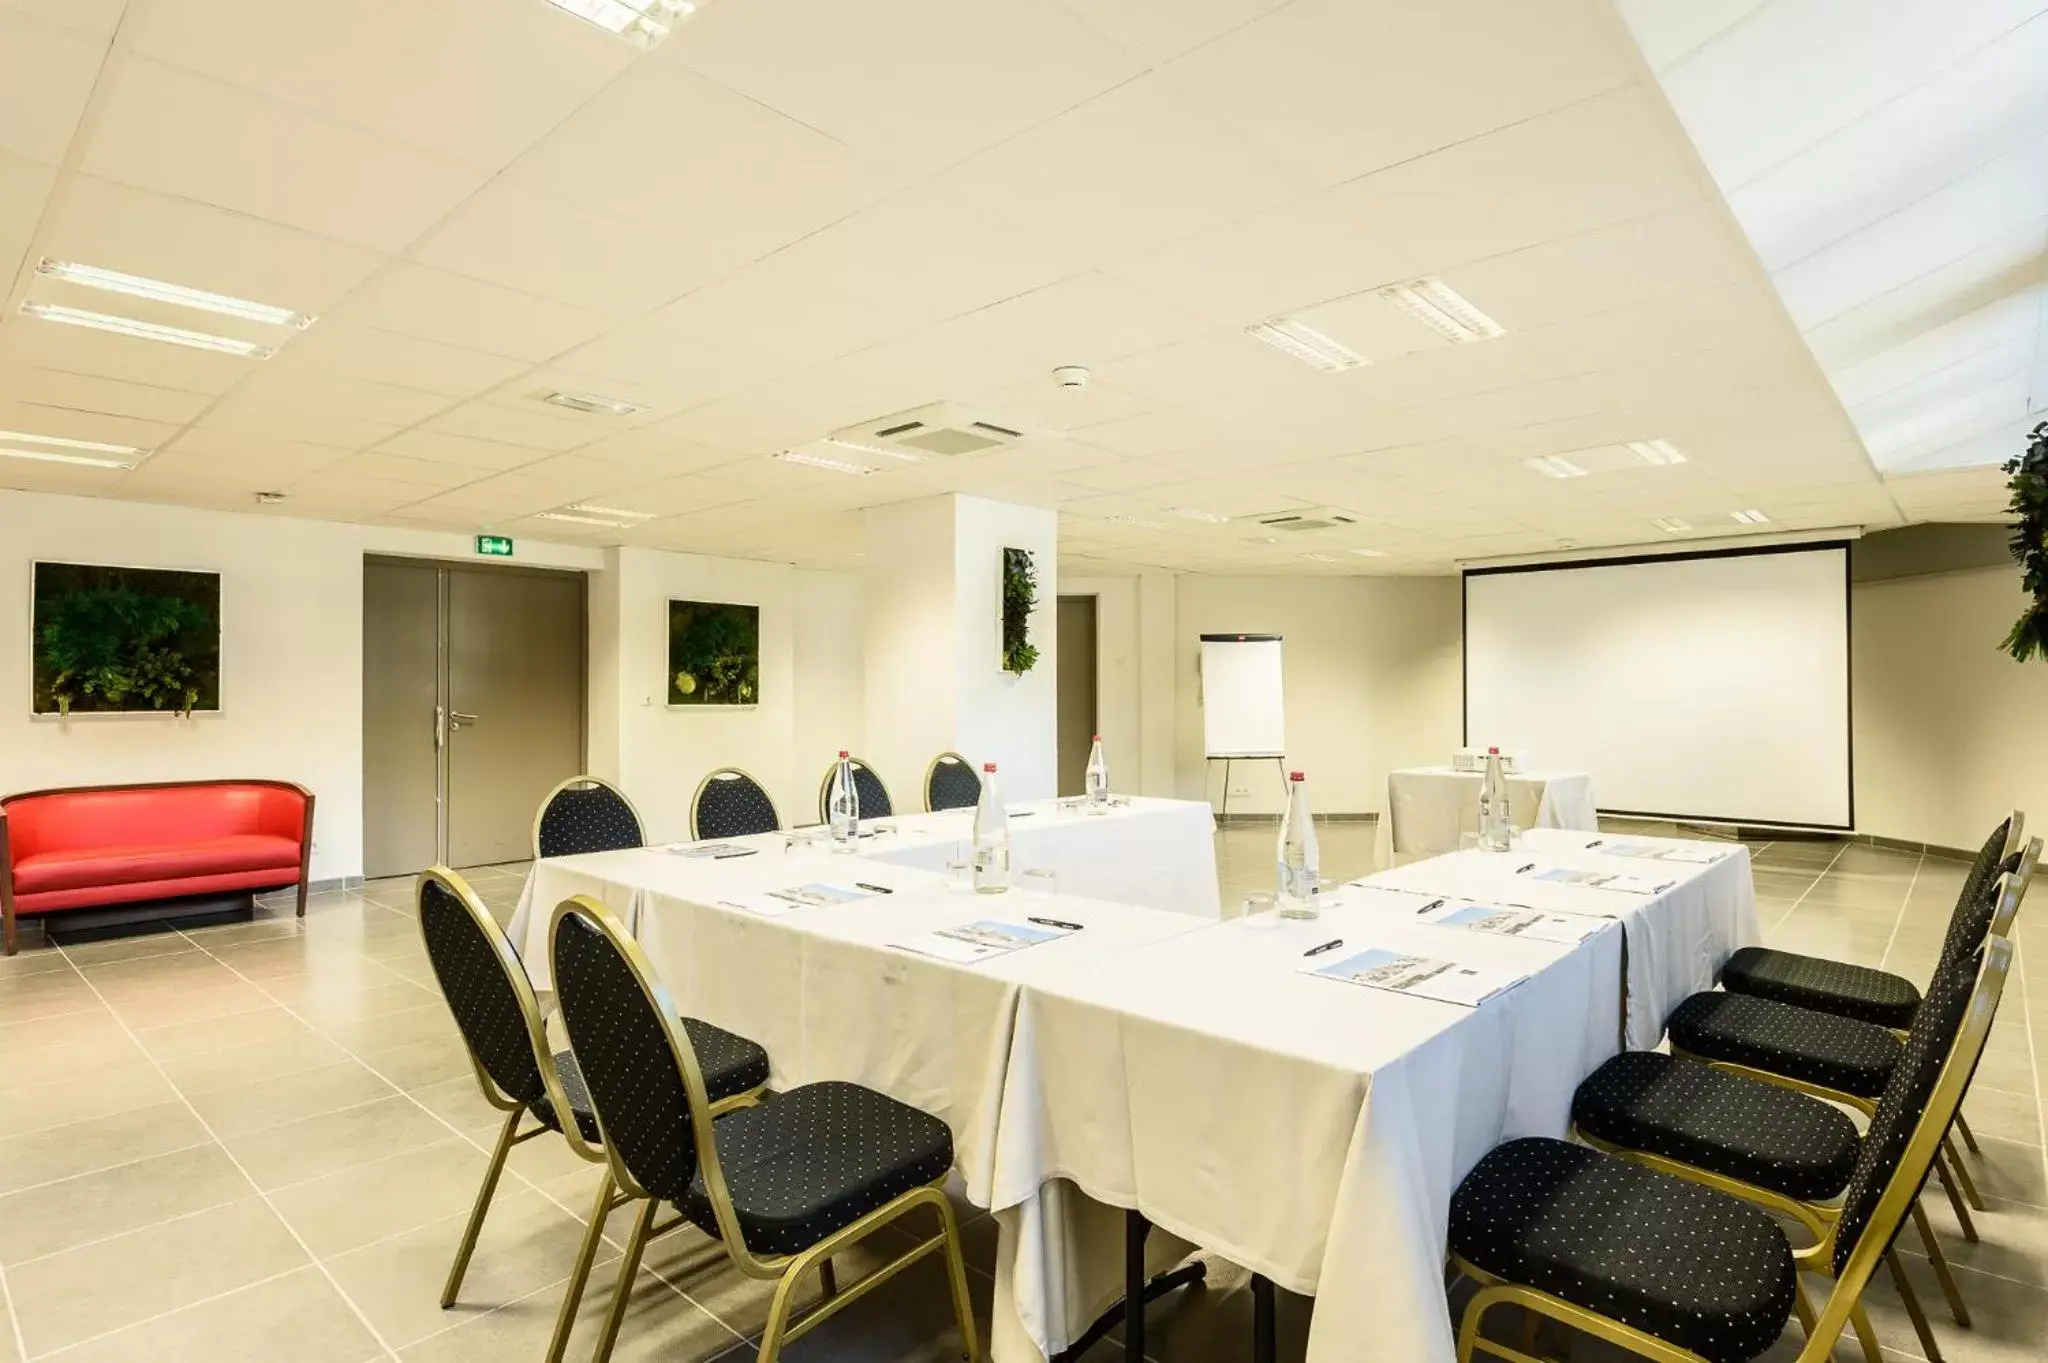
[
  {"x": 729, "y": 803},
  {"x": 522, "y": 1075},
  {"x": 950, "y": 782},
  {"x": 872, "y": 791},
  {"x": 585, "y": 814},
  {"x": 1677, "y": 1272},
  {"x": 784, "y": 1186}
]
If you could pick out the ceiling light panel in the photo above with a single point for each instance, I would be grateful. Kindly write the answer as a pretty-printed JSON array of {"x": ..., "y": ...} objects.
[
  {"x": 907, "y": 456},
  {"x": 1749, "y": 517},
  {"x": 1305, "y": 343},
  {"x": 158, "y": 291},
  {"x": 575, "y": 519},
  {"x": 147, "y": 331},
  {"x": 611, "y": 511},
  {"x": 1555, "y": 466},
  {"x": 1656, "y": 452},
  {"x": 592, "y": 404},
  {"x": 820, "y": 461},
  {"x": 1672, "y": 525},
  {"x": 1188, "y": 513},
  {"x": 640, "y": 22},
  {"x": 1136, "y": 522},
  {"x": 1370, "y": 553},
  {"x": 1443, "y": 310}
]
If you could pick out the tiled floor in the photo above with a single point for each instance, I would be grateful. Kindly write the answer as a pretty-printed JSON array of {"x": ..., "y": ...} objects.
[{"x": 256, "y": 1142}]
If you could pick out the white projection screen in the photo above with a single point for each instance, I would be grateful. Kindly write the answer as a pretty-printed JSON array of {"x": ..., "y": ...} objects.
[{"x": 1711, "y": 687}]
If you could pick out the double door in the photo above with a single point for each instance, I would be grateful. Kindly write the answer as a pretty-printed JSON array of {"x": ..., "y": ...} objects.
[{"x": 473, "y": 708}]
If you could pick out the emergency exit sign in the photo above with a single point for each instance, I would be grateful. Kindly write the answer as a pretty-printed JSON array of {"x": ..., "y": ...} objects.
[{"x": 494, "y": 546}]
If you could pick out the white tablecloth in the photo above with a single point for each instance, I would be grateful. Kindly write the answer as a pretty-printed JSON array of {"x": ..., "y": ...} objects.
[{"x": 1430, "y": 808}]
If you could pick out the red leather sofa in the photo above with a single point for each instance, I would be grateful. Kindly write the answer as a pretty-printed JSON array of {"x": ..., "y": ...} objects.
[{"x": 99, "y": 846}]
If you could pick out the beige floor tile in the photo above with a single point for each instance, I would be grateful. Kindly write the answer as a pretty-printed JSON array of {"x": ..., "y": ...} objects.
[
  {"x": 461, "y": 1104},
  {"x": 289, "y": 1053},
  {"x": 527, "y": 1244},
  {"x": 128, "y": 948},
  {"x": 113, "y": 1283},
  {"x": 345, "y": 1211},
  {"x": 2009, "y": 1172},
  {"x": 58, "y": 1216},
  {"x": 25, "y": 998},
  {"x": 659, "y": 1325},
  {"x": 98, "y": 1143},
  {"x": 227, "y": 999},
  {"x": 332, "y": 1010},
  {"x": 96, "y": 1093},
  {"x": 34, "y": 957},
  {"x": 416, "y": 1064},
  {"x": 64, "y": 1029},
  {"x": 2006, "y": 1115},
  {"x": 216, "y": 1034},
  {"x": 2012, "y": 1239},
  {"x": 54, "y": 1064},
  {"x": 288, "y": 1098},
  {"x": 327, "y": 1144},
  {"x": 2007, "y": 1316},
  {"x": 298, "y": 1316}
]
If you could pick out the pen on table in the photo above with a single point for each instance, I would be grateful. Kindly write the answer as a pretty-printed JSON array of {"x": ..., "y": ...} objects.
[
  {"x": 1330, "y": 945},
  {"x": 872, "y": 889},
  {"x": 1527, "y": 866},
  {"x": 1057, "y": 923},
  {"x": 1595, "y": 843},
  {"x": 1432, "y": 904}
]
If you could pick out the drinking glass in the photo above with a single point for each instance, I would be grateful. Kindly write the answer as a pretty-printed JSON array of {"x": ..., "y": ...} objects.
[
  {"x": 1041, "y": 881},
  {"x": 960, "y": 874},
  {"x": 1261, "y": 909}
]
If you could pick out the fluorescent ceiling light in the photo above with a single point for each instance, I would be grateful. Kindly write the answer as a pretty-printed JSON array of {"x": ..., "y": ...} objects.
[
  {"x": 574, "y": 519},
  {"x": 1671, "y": 525},
  {"x": 819, "y": 461},
  {"x": 613, "y": 512},
  {"x": 1137, "y": 522},
  {"x": 592, "y": 403},
  {"x": 1555, "y": 466},
  {"x": 640, "y": 22},
  {"x": 1750, "y": 517},
  {"x": 147, "y": 331},
  {"x": 1321, "y": 558},
  {"x": 137, "y": 286},
  {"x": 1188, "y": 513},
  {"x": 1306, "y": 344},
  {"x": 56, "y": 449},
  {"x": 1370, "y": 553},
  {"x": 1658, "y": 452},
  {"x": 1443, "y": 310},
  {"x": 54, "y": 457},
  {"x": 906, "y": 456}
]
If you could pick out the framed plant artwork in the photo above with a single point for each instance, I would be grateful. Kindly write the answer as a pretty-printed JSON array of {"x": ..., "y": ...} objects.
[
  {"x": 714, "y": 653},
  {"x": 114, "y": 640}
]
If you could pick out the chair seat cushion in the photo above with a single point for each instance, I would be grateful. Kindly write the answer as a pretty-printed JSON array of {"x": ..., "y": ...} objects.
[
  {"x": 732, "y": 1065},
  {"x": 816, "y": 1159},
  {"x": 1850, "y": 991},
  {"x": 1815, "y": 1048},
  {"x": 1692, "y": 1266},
  {"x": 86, "y": 867},
  {"x": 1689, "y": 1111}
]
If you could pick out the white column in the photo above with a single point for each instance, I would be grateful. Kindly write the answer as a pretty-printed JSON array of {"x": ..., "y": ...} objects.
[{"x": 932, "y": 622}]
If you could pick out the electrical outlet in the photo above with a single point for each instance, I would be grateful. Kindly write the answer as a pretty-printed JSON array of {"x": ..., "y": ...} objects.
[{"x": 1240, "y": 790}]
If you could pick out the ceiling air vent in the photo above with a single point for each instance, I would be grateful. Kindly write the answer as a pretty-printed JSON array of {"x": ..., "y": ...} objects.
[
  {"x": 943, "y": 429},
  {"x": 1303, "y": 522}
]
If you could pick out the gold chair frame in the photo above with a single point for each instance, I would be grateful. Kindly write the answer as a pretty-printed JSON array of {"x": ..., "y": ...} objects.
[
  {"x": 825, "y": 789},
  {"x": 933, "y": 766},
  {"x": 583, "y": 780},
  {"x": 786, "y": 1270},
  {"x": 713, "y": 775},
  {"x": 1843, "y": 1307},
  {"x": 509, "y": 1134}
]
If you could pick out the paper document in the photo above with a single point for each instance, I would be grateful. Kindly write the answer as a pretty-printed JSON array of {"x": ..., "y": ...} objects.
[
  {"x": 1687, "y": 853},
  {"x": 711, "y": 851},
  {"x": 817, "y": 895},
  {"x": 978, "y": 941},
  {"x": 1524, "y": 923},
  {"x": 1445, "y": 981},
  {"x": 1601, "y": 880}
]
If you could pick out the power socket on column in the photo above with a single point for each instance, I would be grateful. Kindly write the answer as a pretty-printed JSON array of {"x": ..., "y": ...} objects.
[{"x": 1240, "y": 790}]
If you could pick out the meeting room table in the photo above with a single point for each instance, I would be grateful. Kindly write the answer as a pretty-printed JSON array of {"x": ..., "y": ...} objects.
[{"x": 1434, "y": 810}]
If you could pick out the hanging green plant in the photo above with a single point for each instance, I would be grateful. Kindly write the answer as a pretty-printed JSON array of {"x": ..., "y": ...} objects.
[
  {"x": 2029, "y": 484},
  {"x": 125, "y": 640},
  {"x": 1020, "y": 595}
]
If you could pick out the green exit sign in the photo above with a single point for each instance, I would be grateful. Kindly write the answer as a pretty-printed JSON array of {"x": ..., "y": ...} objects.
[{"x": 494, "y": 546}]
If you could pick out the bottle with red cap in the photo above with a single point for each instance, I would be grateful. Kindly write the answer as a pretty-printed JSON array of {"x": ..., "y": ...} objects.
[
  {"x": 1096, "y": 783},
  {"x": 842, "y": 806},
  {"x": 1300, "y": 865},
  {"x": 1496, "y": 833},
  {"x": 991, "y": 837}
]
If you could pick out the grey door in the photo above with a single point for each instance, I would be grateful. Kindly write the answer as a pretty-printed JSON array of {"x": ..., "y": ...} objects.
[
  {"x": 1074, "y": 681},
  {"x": 473, "y": 708}
]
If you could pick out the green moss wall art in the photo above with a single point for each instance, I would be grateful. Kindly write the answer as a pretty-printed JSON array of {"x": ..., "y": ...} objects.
[
  {"x": 113, "y": 640},
  {"x": 1020, "y": 596},
  {"x": 714, "y": 653},
  {"x": 2029, "y": 483}
]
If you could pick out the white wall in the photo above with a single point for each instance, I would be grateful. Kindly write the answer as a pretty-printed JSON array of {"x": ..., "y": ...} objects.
[
  {"x": 1002, "y": 717},
  {"x": 1949, "y": 730},
  {"x": 291, "y": 651},
  {"x": 907, "y": 602},
  {"x": 830, "y": 690}
]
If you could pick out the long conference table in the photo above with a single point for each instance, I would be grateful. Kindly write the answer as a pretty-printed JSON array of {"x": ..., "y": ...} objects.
[{"x": 1307, "y": 1123}]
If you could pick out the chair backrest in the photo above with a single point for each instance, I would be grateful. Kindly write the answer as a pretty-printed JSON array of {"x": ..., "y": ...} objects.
[
  {"x": 951, "y": 783},
  {"x": 731, "y": 804},
  {"x": 2012, "y": 890},
  {"x": 489, "y": 994},
  {"x": 872, "y": 791},
  {"x": 585, "y": 814},
  {"x": 1979, "y": 902}
]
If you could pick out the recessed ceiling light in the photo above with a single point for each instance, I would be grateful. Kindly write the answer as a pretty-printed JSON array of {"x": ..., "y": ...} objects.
[
  {"x": 819, "y": 461},
  {"x": 1322, "y": 558},
  {"x": 1658, "y": 452},
  {"x": 613, "y": 512},
  {"x": 1137, "y": 522},
  {"x": 1188, "y": 513},
  {"x": 640, "y": 22},
  {"x": 1370, "y": 553},
  {"x": 1671, "y": 525},
  {"x": 137, "y": 286},
  {"x": 906, "y": 456},
  {"x": 1264, "y": 539},
  {"x": 575, "y": 519},
  {"x": 147, "y": 331},
  {"x": 1750, "y": 517},
  {"x": 56, "y": 449},
  {"x": 1443, "y": 310},
  {"x": 592, "y": 403},
  {"x": 1555, "y": 466},
  {"x": 1306, "y": 344}
]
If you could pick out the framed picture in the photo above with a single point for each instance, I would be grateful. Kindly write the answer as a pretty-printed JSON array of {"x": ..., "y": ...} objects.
[
  {"x": 714, "y": 653},
  {"x": 114, "y": 640}
]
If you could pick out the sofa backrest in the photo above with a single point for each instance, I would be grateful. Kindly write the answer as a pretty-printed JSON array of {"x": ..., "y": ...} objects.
[{"x": 126, "y": 816}]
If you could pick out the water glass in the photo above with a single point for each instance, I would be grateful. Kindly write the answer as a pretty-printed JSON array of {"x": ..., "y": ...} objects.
[
  {"x": 1259, "y": 909},
  {"x": 960, "y": 874},
  {"x": 1042, "y": 881}
]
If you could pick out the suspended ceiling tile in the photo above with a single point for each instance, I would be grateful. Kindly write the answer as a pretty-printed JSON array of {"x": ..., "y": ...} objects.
[
  {"x": 24, "y": 188},
  {"x": 352, "y": 351},
  {"x": 94, "y": 17},
  {"x": 455, "y": 310},
  {"x": 458, "y": 449},
  {"x": 336, "y": 395},
  {"x": 40, "y": 344},
  {"x": 46, "y": 75},
  {"x": 288, "y": 421},
  {"x": 391, "y": 468},
  {"x": 483, "y": 421},
  {"x": 1160, "y": 30},
  {"x": 84, "y": 393},
  {"x": 34, "y": 419}
]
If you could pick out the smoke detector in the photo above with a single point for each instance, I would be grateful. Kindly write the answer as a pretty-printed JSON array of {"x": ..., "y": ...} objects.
[
  {"x": 1071, "y": 376},
  {"x": 944, "y": 429},
  {"x": 1302, "y": 522},
  {"x": 269, "y": 498}
]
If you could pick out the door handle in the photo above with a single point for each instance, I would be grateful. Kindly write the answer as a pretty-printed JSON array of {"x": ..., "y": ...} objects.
[{"x": 457, "y": 719}]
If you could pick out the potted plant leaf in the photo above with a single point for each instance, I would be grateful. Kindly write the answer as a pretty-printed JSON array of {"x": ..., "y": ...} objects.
[{"x": 2028, "y": 475}]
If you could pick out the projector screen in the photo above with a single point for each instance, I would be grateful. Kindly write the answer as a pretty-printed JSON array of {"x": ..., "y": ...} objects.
[
  {"x": 1242, "y": 714},
  {"x": 1712, "y": 687}
]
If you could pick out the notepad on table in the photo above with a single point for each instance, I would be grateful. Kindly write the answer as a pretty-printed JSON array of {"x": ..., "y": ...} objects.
[
  {"x": 1601, "y": 880},
  {"x": 816, "y": 895},
  {"x": 1686, "y": 853},
  {"x": 979, "y": 941},
  {"x": 1419, "y": 976},
  {"x": 1528, "y": 924}
]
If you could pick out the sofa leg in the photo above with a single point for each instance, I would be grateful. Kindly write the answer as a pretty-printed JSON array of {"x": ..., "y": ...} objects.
[
  {"x": 302, "y": 899},
  {"x": 7, "y": 931}
]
